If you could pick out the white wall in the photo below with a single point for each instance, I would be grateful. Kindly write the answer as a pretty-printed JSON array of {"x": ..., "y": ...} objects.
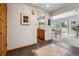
[
  {"x": 48, "y": 29},
  {"x": 21, "y": 35}
]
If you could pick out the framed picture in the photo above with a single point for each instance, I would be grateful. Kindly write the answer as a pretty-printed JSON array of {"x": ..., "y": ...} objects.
[
  {"x": 49, "y": 22},
  {"x": 25, "y": 19}
]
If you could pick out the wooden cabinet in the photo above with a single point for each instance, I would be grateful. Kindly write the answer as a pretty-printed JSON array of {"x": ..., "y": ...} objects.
[
  {"x": 41, "y": 33},
  {"x": 3, "y": 29}
]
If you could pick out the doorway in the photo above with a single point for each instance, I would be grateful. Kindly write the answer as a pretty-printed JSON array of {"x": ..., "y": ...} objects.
[{"x": 41, "y": 29}]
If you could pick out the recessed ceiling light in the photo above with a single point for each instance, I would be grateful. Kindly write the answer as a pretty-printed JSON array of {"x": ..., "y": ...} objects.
[{"x": 48, "y": 5}]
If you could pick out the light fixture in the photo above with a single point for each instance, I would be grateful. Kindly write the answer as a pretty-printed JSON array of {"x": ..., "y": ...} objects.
[
  {"x": 33, "y": 12},
  {"x": 42, "y": 15},
  {"x": 47, "y": 5}
]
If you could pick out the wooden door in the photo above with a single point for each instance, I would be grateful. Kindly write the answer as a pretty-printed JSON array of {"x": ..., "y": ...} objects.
[
  {"x": 0, "y": 37},
  {"x": 3, "y": 29},
  {"x": 4, "y": 37}
]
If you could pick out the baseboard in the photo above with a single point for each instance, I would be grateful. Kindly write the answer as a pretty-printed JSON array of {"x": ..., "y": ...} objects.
[{"x": 21, "y": 47}]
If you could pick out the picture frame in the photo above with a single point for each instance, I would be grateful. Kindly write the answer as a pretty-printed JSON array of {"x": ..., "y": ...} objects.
[
  {"x": 25, "y": 19},
  {"x": 49, "y": 22}
]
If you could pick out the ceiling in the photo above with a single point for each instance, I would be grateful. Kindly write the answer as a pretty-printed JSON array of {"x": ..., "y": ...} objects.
[{"x": 51, "y": 8}]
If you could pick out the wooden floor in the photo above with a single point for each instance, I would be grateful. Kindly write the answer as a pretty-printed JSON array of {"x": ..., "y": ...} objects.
[
  {"x": 73, "y": 51},
  {"x": 28, "y": 51}
]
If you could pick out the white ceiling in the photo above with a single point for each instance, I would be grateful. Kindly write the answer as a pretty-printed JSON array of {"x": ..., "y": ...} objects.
[{"x": 51, "y": 8}]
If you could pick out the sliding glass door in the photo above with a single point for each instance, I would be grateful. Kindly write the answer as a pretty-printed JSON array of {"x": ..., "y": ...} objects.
[{"x": 68, "y": 26}]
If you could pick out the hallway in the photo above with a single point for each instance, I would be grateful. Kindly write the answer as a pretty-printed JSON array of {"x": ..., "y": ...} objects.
[{"x": 23, "y": 24}]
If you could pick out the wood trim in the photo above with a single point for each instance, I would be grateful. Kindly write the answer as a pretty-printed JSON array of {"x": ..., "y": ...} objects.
[{"x": 21, "y": 47}]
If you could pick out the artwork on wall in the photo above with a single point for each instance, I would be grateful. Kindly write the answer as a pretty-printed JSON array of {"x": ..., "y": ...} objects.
[
  {"x": 49, "y": 22},
  {"x": 25, "y": 19}
]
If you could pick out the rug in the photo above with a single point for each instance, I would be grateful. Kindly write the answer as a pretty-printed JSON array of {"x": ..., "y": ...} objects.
[{"x": 50, "y": 50}]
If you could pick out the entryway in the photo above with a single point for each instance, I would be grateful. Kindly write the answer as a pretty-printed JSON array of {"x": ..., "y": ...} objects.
[{"x": 41, "y": 28}]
